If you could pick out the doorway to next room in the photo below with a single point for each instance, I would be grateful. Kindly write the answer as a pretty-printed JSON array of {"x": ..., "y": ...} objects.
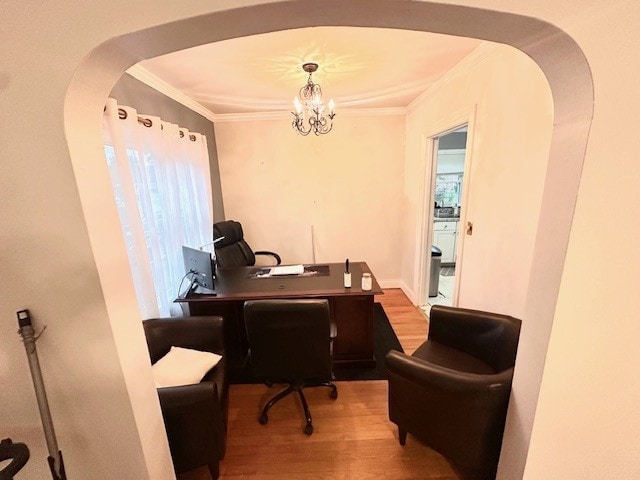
[{"x": 447, "y": 204}]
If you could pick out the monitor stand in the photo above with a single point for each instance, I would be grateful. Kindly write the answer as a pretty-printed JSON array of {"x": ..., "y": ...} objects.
[{"x": 203, "y": 290}]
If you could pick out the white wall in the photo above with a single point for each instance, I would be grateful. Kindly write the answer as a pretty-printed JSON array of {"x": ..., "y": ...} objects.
[
  {"x": 347, "y": 184},
  {"x": 510, "y": 148},
  {"x": 94, "y": 383},
  {"x": 587, "y": 425},
  {"x": 590, "y": 389},
  {"x": 510, "y": 132}
]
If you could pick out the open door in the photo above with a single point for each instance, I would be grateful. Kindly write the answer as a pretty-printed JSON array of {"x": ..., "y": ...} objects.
[{"x": 444, "y": 219}]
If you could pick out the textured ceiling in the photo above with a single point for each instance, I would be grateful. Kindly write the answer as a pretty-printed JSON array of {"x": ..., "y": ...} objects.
[{"x": 359, "y": 67}]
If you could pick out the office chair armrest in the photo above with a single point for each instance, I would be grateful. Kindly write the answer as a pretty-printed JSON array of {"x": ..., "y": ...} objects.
[
  {"x": 428, "y": 375},
  {"x": 272, "y": 254}
]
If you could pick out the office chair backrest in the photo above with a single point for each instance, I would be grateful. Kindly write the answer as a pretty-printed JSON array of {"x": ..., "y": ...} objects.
[
  {"x": 232, "y": 250},
  {"x": 289, "y": 339},
  {"x": 491, "y": 337}
]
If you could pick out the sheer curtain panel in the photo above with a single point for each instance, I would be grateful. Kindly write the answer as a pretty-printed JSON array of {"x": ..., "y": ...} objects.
[{"x": 162, "y": 189}]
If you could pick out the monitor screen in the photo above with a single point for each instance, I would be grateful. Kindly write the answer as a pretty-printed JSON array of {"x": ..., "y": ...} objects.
[{"x": 198, "y": 263}]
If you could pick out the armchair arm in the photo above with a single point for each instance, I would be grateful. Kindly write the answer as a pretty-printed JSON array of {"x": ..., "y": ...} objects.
[
  {"x": 425, "y": 374},
  {"x": 181, "y": 397},
  {"x": 194, "y": 424},
  {"x": 272, "y": 254}
]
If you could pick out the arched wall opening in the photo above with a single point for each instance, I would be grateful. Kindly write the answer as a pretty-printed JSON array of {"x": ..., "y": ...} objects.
[{"x": 556, "y": 53}]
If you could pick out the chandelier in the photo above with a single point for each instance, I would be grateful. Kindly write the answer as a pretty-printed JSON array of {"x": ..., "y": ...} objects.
[{"x": 309, "y": 108}]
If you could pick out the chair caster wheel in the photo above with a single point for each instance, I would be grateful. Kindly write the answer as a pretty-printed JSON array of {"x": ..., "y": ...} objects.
[
  {"x": 308, "y": 429},
  {"x": 333, "y": 394},
  {"x": 263, "y": 419}
]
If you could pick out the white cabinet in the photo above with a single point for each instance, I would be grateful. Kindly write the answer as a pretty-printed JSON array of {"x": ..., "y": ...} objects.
[{"x": 444, "y": 237}]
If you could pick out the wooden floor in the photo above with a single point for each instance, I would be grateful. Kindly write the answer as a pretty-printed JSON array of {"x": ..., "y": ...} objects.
[{"x": 353, "y": 437}]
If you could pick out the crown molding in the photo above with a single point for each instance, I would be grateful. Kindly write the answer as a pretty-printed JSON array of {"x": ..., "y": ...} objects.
[
  {"x": 477, "y": 56},
  {"x": 280, "y": 115},
  {"x": 385, "y": 95},
  {"x": 464, "y": 66},
  {"x": 145, "y": 76}
]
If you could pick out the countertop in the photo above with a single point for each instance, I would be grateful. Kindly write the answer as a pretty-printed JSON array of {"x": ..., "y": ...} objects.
[{"x": 446, "y": 219}]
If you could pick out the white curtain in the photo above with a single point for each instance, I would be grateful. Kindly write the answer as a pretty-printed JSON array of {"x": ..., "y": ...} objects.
[{"x": 162, "y": 188}]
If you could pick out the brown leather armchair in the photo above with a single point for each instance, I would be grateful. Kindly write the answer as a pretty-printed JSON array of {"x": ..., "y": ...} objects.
[
  {"x": 195, "y": 416},
  {"x": 453, "y": 392}
]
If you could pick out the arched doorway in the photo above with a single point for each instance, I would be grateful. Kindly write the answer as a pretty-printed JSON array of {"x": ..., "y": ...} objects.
[{"x": 557, "y": 54}]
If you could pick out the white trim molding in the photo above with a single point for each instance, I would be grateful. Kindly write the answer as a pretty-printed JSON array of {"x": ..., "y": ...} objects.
[
  {"x": 477, "y": 56},
  {"x": 431, "y": 87},
  {"x": 145, "y": 76},
  {"x": 285, "y": 115}
]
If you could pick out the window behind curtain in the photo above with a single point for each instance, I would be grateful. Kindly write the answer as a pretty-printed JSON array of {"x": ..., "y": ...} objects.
[{"x": 162, "y": 189}]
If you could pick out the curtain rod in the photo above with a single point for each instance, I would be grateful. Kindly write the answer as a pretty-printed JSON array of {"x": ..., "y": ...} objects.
[{"x": 122, "y": 115}]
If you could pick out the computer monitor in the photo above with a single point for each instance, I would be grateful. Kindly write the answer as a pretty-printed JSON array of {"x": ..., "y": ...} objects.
[{"x": 198, "y": 264}]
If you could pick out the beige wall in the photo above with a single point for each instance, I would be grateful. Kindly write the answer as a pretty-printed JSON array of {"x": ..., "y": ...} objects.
[
  {"x": 74, "y": 276},
  {"x": 507, "y": 100},
  {"x": 505, "y": 95},
  {"x": 587, "y": 424},
  {"x": 347, "y": 185}
]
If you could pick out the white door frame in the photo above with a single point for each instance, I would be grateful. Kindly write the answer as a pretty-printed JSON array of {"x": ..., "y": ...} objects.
[{"x": 424, "y": 222}]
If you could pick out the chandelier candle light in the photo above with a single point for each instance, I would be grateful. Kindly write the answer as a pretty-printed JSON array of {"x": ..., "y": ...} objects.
[{"x": 309, "y": 105}]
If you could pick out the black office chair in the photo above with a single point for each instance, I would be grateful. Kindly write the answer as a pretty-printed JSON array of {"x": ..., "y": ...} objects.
[
  {"x": 195, "y": 416},
  {"x": 233, "y": 250},
  {"x": 453, "y": 392},
  {"x": 290, "y": 342}
]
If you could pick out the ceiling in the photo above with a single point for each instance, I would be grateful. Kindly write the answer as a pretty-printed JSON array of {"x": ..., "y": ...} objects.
[{"x": 358, "y": 68}]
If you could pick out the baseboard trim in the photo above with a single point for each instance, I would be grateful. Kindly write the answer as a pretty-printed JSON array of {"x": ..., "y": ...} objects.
[
  {"x": 409, "y": 293},
  {"x": 398, "y": 283},
  {"x": 393, "y": 283}
]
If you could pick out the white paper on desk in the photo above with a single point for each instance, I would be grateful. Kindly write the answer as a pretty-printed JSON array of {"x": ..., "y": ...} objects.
[{"x": 287, "y": 270}]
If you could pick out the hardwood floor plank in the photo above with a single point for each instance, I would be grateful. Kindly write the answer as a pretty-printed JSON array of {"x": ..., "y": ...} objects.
[{"x": 353, "y": 438}]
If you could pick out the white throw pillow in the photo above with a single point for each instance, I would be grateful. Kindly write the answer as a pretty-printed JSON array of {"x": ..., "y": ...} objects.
[{"x": 183, "y": 366}]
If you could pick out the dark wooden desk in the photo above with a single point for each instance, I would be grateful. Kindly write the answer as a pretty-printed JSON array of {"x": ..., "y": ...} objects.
[{"x": 351, "y": 308}]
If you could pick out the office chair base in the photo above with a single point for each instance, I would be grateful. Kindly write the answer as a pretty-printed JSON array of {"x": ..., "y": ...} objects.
[{"x": 308, "y": 428}]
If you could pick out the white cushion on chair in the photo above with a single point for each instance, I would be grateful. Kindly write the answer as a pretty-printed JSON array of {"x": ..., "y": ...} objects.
[{"x": 183, "y": 366}]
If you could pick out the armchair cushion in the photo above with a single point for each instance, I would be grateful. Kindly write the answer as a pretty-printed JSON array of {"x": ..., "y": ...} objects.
[
  {"x": 445, "y": 356},
  {"x": 183, "y": 366}
]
